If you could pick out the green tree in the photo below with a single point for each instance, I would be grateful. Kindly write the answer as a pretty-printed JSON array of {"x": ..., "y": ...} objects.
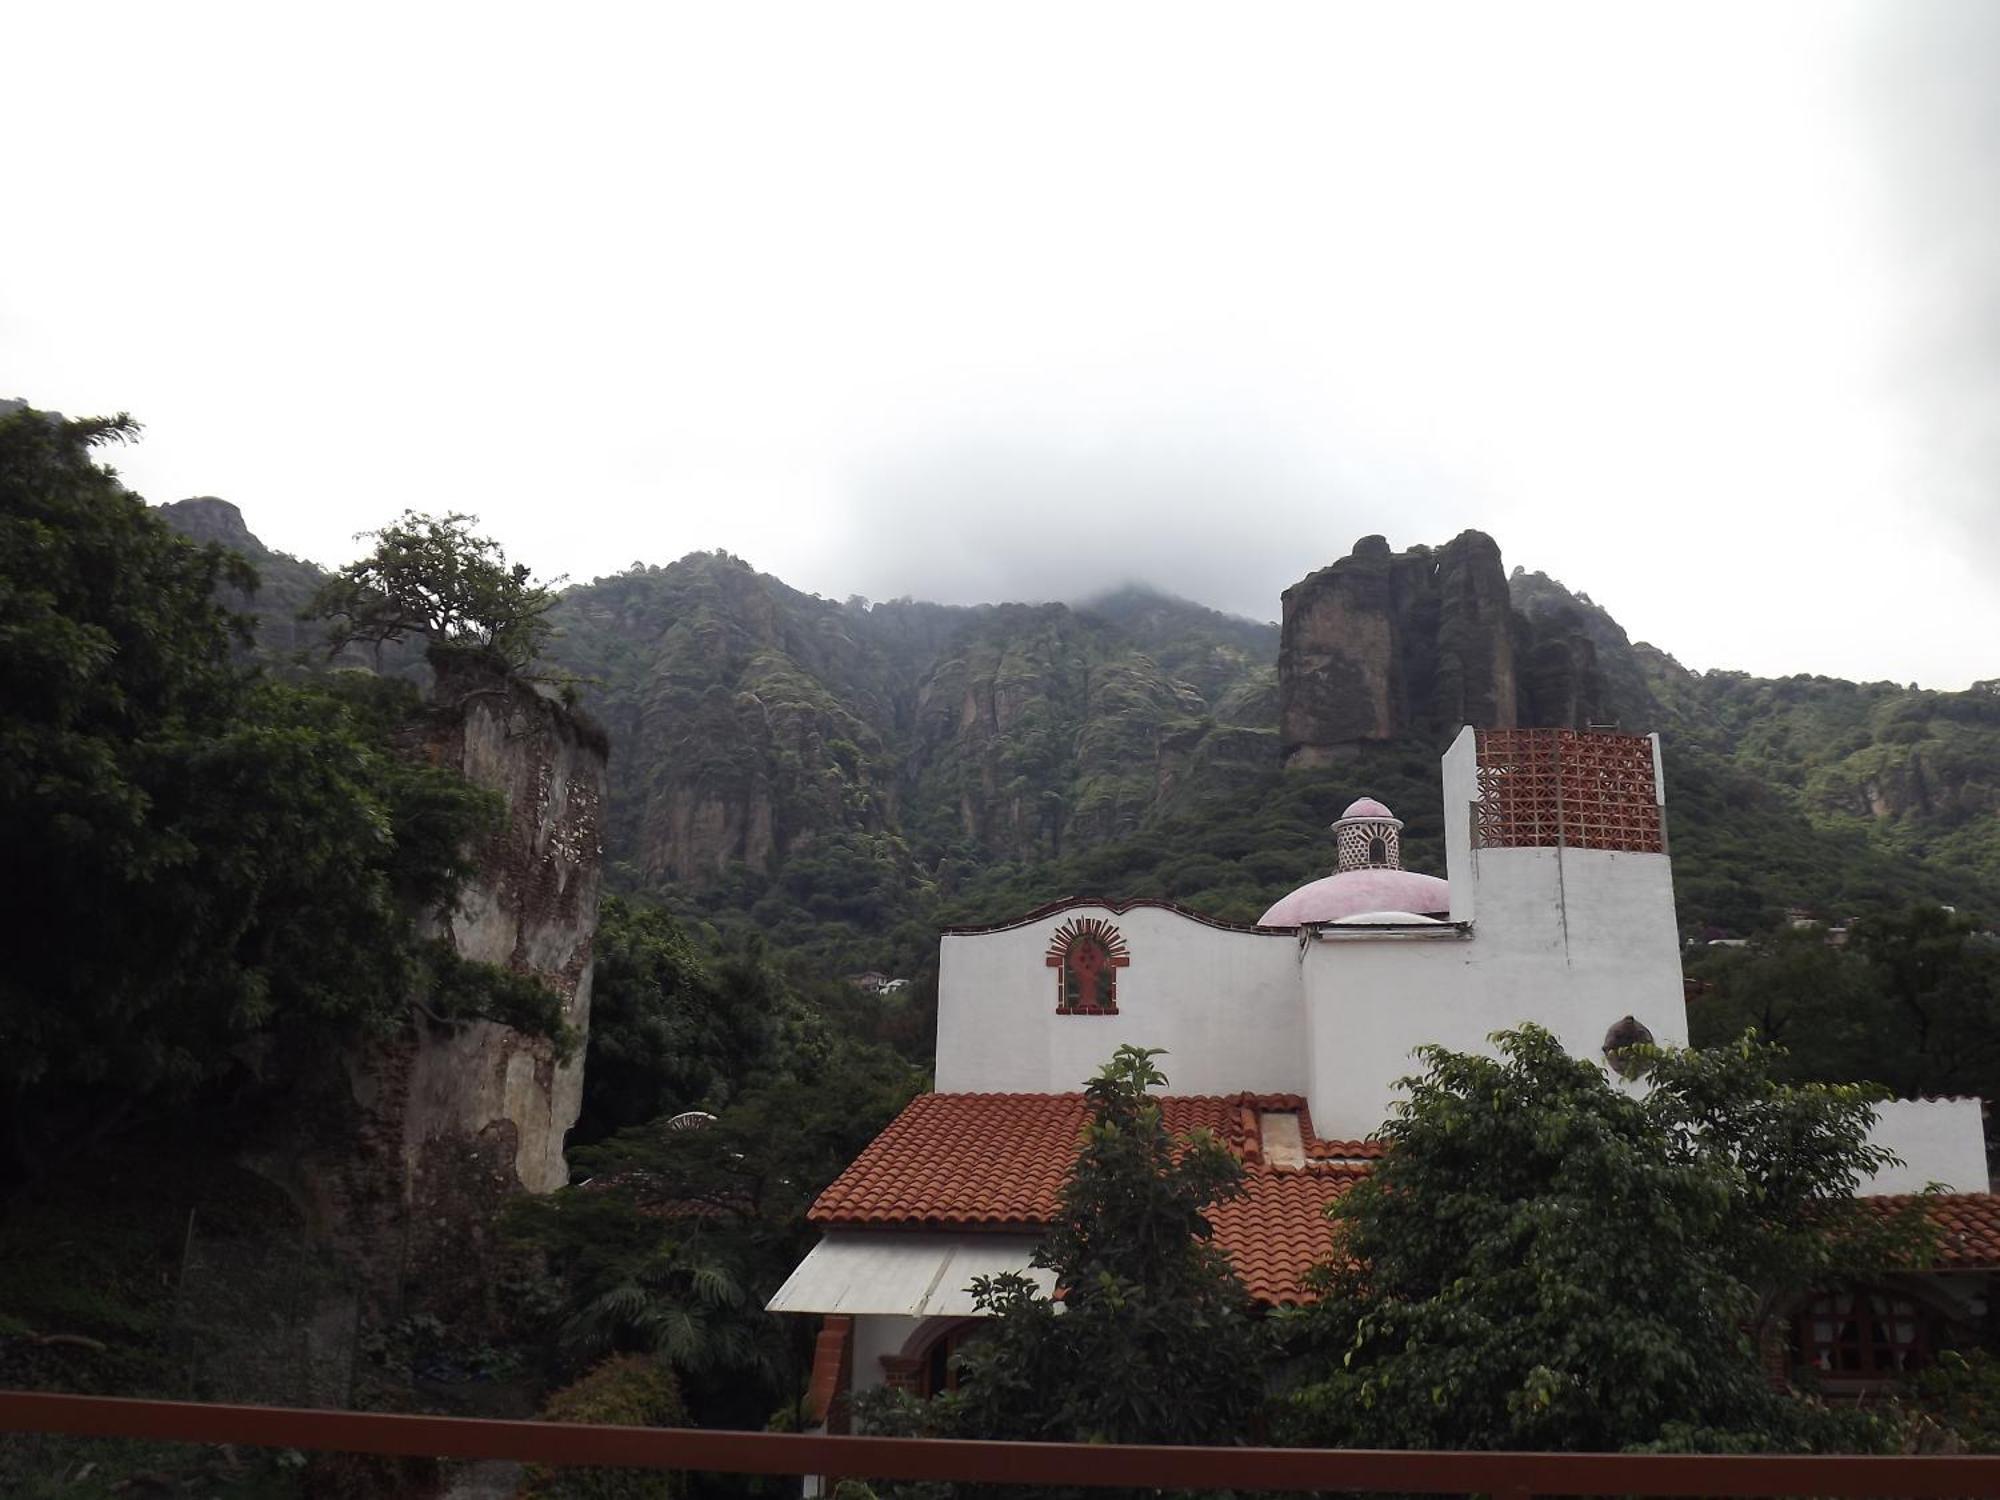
[
  {"x": 1955, "y": 1404},
  {"x": 673, "y": 1240},
  {"x": 683, "y": 1301},
  {"x": 670, "y": 1029},
  {"x": 627, "y": 1390},
  {"x": 1153, "y": 1340},
  {"x": 1798, "y": 992},
  {"x": 219, "y": 873},
  {"x": 1940, "y": 977},
  {"x": 430, "y": 577},
  {"x": 1912, "y": 1001},
  {"x": 1548, "y": 1260}
]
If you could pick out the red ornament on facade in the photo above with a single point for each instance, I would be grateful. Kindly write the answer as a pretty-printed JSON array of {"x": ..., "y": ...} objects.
[{"x": 1087, "y": 953}]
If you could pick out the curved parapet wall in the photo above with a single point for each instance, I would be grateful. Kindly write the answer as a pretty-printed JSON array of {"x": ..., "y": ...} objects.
[{"x": 1036, "y": 1006}]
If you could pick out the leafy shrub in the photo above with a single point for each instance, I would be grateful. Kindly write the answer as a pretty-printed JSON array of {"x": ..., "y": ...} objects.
[
  {"x": 628, "y": 1390},
  {"x": 1958, "y": 1401}
]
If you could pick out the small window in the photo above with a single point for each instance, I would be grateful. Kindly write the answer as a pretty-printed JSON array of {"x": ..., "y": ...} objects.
[
  {"x": 1864, "y": 1334},
  {"x": 940, "y": 1372},
  {"x": 1378, "y": 850}
]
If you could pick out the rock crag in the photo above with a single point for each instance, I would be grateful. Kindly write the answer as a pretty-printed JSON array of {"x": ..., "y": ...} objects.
[
  {"x": 1384, "y": 644},
  {"x": 448, "y": 1121}
]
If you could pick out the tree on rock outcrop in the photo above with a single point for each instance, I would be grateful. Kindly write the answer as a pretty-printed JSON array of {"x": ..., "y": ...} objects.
[
  {"x": 210, "y": 874},
  {"x": 430, "y": 577}
]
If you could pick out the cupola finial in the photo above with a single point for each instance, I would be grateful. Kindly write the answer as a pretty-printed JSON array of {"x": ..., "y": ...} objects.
[{"x": 1367, "y": 837}]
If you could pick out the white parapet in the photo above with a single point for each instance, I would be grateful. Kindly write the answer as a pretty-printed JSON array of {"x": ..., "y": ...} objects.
[
  {"x": 1940, "y": 1141},
  {"x": 1461, "y": 791},
  {"x": 1222, "y": 1001}
]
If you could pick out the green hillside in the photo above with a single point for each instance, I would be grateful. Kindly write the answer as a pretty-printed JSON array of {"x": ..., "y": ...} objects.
[
  {"x": 1858, "y": 792},
  {"x": 840, "y": 778}
]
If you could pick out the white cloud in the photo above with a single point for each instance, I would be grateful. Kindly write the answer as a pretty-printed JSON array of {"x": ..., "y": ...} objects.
[{"x": 955, "y": 302}]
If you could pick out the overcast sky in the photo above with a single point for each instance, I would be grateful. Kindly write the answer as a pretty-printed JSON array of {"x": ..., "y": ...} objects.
[{"x": 1696, "y": 307}]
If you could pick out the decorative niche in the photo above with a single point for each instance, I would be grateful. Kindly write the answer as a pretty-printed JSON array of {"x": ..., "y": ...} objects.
[{"x": 1087, "y": 953}]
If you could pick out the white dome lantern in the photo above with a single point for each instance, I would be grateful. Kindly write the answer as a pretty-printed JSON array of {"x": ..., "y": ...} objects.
[{"x": 1367, "y": 837}]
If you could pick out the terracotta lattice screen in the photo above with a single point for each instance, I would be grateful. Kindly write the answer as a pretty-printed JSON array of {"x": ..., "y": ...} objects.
[{"x": 1545, "y": 788}]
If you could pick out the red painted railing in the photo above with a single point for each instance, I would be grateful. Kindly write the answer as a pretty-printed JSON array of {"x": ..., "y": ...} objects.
[{"x": 558, "y": 1444}]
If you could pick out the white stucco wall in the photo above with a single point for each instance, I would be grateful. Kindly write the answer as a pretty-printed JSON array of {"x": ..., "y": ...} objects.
[
  {"x": 1572, "y": 939},
  {"x": 1939, "y": 1140},
  {"x": 875, "y": 1335},
  {"x": 1225, "y": 1005},
  {"x": 1368, "y": 1004},
  {"x": 1460, "y": 770},
  {"x": 1577, "y": 939}
]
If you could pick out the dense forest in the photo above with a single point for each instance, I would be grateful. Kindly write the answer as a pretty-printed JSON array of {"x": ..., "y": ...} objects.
[
  {"x": 238, "y": 849},
  {"x": 850, "y": 774},
  {"x": 842, "y": 777}
]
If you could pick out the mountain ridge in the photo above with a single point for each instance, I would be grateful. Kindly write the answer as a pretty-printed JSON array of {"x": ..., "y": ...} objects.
[{"x": 838, "y": 774}]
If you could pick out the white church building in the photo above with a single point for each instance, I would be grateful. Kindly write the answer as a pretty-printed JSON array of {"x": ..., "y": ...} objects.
[{"x": 1287, "y": 1037}]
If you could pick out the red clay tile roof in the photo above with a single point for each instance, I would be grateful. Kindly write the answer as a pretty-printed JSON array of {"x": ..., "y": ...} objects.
[
  {"x": 1968, "y": 1227},
  {"x": 1278, "y": 1230},
  {"x": 997, "y": 1162}
]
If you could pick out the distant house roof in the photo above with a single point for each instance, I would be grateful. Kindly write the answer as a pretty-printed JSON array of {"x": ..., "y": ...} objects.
[{"x": 996, "y": 1163}]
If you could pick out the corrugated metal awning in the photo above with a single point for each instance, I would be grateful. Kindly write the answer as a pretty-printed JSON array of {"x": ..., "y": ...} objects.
[{"x": 907, "y": 1275}]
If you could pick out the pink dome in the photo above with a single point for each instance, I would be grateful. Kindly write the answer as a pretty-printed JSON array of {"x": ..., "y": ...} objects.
[
  {"x": 1366, "y": 807},
  {"x": 1356, "y": 891}
]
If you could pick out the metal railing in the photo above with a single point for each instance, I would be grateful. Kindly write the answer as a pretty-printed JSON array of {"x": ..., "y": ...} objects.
[{"x": 1092, "y": 1465}]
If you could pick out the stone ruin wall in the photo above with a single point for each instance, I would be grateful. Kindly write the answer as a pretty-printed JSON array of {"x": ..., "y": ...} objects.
[
  {"x": 533, "y": 909},
  {"x": 448, "y": 1122}
]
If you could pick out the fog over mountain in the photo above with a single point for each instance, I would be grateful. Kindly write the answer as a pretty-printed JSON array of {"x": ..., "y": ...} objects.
[{"x": 1213, "y": 511}]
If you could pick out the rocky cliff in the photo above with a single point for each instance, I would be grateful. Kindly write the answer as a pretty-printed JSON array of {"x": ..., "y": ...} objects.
[
  {"x": 761, "y": 723},
  {"x": 1582, "y": 667},
  {"x": 810, "y": 766},
  {"x": 447, "y": 1121},
  {"x": 752, "y": 715},
  {"x": 285, "y": 585},
  {"x": 1384, "y": 644},
  {"x": 530, "y": 908}
]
